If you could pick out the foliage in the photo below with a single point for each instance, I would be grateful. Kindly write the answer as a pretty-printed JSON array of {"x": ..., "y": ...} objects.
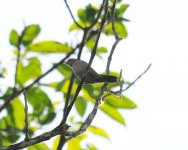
[{"x": 42, "y": 109}]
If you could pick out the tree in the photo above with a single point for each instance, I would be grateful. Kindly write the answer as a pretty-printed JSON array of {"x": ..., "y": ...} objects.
[{"x": 22, "y": 116}]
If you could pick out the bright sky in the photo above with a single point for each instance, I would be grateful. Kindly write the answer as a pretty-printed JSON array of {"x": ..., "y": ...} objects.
[{"x": 158, "y": 33}]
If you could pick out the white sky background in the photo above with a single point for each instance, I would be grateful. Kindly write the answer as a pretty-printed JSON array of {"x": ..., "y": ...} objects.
[{"x": 158, "y": 33}]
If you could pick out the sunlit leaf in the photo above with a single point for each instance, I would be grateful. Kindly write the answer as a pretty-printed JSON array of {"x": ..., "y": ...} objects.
[
  {"x": 113, "y": 113},
  {"x": 74, "y": 144},
  {"x": 31, "y": 71},
  {"x": 81, "y": 105},
  {"x": 98, "y": 131},
  {"x": 49, "y": 47},
  {"x": 120, "y": 29},
  {"x": 102, "y": 50},
  {"x": 106, "y": 108},
  {"x": 16, "y": 114},
  {"x": 66, "y": 86},
  {"x": 90, "y": 44},
  {"x": 75, "y": 27},
  {"x": 14, "y": 38},
  {"x": 122, "y": 102},
  {"x": 30, "y": 33},
  {"x": 56, "y": 142},
  {"x": 91, "y": 147}
]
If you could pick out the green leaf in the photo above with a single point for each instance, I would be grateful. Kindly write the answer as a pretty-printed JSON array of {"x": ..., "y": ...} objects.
[
  {"x": 49, "y": 47},
  {"x": 90, "y": 44},
  {"x": 16, "y": 114},
  {"x": 87, "y": 14},
  {"x": 12, "y": 138},
  {"x": 106, "y": 108},
  {"x": 82, "y": 15},
  {"x": 122, "y": 102},
  {"x": 30, "y": 33},
  {"x": 31, "y": 71},
  {"x": 14, "y": 38},
  {"x": 40, "y": 146},
  {"x": 42, "y": 107},
  {"x": 65, "y": 87},
  {"x": 56, "y": 143},
  {"x": 102, "y": 50},
  {"x": 91, "y": 147},
  {"x": 81, "y": 105},
  {"x": 120, "y": 29},
  {"x": 98, "y": 131},
  {"x": 74, "y": 144},
  {"x": 113, "y": 113},
  {"x": 120, "y": 11},
  {"x": 75, "y": 27},
  {"x": 47, "y": 118}
]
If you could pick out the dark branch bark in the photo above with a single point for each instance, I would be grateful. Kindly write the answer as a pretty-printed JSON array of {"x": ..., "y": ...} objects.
[
  {"x": 73, "y": 15},
  {"x": 26, "y": 117}
]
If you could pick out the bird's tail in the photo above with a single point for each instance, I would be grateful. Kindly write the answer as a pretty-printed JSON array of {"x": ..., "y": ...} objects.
[{"x": 107, "y": 78}]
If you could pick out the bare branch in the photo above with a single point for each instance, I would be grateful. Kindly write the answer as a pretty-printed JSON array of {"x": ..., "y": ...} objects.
[
  {"x": 73, "y": 15},
  {"x": 43, "y": 137},
  {"x": 26, "y": 117},
  {"x": 112, "y": 21},
  {"x": 132, "y": 83},
  {"x": 137, "y": 78}
]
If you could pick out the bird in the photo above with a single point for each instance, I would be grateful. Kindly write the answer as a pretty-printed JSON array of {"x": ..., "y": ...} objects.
[{"x": 79, "y": 69}]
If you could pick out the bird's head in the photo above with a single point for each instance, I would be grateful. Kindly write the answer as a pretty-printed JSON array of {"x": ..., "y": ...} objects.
[{"x": 70, "y": 62}]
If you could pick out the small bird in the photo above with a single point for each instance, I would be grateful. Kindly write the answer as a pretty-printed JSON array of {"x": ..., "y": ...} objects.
[{"x": 79, "y": 69}]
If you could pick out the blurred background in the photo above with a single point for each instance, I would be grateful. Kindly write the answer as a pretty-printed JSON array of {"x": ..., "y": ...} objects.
[{"x": 157, "y": 34}]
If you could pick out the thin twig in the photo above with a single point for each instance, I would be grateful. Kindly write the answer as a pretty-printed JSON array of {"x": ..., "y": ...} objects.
[
  {"x": 26, "y": 117},
  {"x": 73, "y": 15},
  {"x": 18, "y": 58},
  {"x": 119, "y": 92},
  {"x": 112, "y": 21},
  {"x": 132, "y": 83}
]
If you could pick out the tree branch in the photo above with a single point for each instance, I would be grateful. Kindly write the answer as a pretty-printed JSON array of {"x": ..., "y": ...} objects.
[
  {"x": 43, "y": 137},
  {"x": 26, "y": 117},
  {"x": 73, "y": 15}
]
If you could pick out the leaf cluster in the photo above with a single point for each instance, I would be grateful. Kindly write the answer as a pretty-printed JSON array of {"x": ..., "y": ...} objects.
[{"x": 42, "y": 109}]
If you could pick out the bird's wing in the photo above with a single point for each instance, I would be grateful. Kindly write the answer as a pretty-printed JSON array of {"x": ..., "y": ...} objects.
[{"x": 79, "y": 68}]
